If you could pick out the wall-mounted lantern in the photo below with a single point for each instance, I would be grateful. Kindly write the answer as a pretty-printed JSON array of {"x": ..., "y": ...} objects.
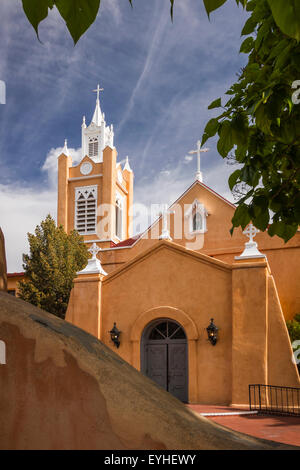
[
  {"x": 212, "y": 332},
  {"x": 115, "y": 334}
]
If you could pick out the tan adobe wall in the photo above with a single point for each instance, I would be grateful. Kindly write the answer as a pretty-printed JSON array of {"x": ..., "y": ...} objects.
[{"x": 75, "y": 393}]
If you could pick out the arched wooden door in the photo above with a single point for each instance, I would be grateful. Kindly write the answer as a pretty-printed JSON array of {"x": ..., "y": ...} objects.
[{"x": 165, "y": 357}]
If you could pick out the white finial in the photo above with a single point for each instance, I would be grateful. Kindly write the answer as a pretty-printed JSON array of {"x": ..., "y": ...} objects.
[
  {"x": 251, "y": 232},
  {"x": 251, "y": 250},
  {"x": 94, "y": 250},
  {"x": 198, "y": 151},
  {"x": 127, "y": 166},
  {"x": 65, "y": 149},
  {"x": 165, "y": 233},
  {"x": 94, "y": 265},
  {"x": 83, "y": 122}
]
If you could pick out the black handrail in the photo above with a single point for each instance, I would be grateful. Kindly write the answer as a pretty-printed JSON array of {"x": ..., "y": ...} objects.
[{"x": 274, "y": 399}]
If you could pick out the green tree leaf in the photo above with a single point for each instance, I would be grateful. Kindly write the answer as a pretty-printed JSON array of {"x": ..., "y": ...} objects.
[
  {"x": 211, "y": 5},
  {"x": 78, "y": 15},
  {"x": 241, "y": 216},
  {"x": 286, "y": 14},
  {"x": 249, "y": 26},
  {"x": 225, "y": 142},
  {"x": 233, "y": 178},
  {"x": 210, "y": 130},
  {"x": 247, "y": 45},
  {"x": 36, "y": 11},
  {"x": 215, "y": 104}
]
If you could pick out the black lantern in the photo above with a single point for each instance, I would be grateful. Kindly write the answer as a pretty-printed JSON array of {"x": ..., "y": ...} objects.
[
  {"x": 115, "y": 334},
  {"x": 212, "y": 332}
]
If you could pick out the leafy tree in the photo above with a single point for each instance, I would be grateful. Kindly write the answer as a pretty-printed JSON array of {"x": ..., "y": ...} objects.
[
  {"x": 260, "y": 123},
  {"x": 293, "y": 327},
  {"x": 51, "y": 266}
]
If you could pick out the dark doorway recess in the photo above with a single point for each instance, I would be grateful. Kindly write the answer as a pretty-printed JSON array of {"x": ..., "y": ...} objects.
[{"x": 164, "y": 356}]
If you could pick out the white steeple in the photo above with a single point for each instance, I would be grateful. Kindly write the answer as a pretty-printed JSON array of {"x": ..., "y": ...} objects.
[
  {"x": 97, "y": 117},
  {"x": 127, "y": 166},
  {"x": 97, "y": 135}
]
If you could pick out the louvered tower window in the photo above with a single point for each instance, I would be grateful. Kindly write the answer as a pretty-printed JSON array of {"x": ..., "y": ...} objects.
[
  {"x": 93, "y": 147},
  {"x": 86, "y": 209}
]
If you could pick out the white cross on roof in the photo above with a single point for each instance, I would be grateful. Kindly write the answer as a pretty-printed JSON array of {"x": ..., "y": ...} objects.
[
  {"x": 198, "y": 152},
  {"x": 251, "y": 232},
  {"x": 94, "y": 250}
]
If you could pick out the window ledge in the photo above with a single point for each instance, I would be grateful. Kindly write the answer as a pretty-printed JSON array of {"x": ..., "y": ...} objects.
[{"x": 196, "y": 232}]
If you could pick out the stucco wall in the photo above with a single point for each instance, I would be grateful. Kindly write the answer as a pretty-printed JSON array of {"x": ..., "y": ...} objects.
[
  {"x": 177, "y": 279},
  {"x": 61, "y": 388}
]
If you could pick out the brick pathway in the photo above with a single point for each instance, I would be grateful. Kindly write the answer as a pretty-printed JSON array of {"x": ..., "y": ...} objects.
[{"x": 284, "y": 429}]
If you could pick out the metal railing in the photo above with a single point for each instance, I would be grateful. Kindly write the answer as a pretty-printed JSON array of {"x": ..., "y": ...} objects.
[{"x": 274, "y": 399}]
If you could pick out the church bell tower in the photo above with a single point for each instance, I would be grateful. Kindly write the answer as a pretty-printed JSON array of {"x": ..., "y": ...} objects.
[{"x": 95, "y": 196}]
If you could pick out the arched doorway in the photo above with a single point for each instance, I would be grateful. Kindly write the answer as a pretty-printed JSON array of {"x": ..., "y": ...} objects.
[{"x": 164, "y": 356}]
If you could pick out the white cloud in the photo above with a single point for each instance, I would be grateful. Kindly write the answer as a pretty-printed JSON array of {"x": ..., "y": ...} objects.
[
  {"x": 23, "y": 208},
  {"x": 50, "y": 164}
]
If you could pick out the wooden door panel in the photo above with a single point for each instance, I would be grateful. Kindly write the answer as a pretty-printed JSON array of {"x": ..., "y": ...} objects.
[
  {"x": 157, "y": 364},
  {"x": 177, "y": 371}
]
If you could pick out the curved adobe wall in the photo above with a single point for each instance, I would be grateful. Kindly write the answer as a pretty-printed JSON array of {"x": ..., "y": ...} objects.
[{"x": 61, "y": 388}]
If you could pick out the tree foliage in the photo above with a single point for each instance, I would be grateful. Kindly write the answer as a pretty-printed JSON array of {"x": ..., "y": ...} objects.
[
  {"x": 50, "y": 268},
  {"x": 260, "y": 123},
  {"x": 293, "y": 327}
]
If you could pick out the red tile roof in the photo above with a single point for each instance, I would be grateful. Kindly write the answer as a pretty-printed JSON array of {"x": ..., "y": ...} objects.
[
  {"x": 15, "y": 274},
  {"x": 127, "y": 242}
]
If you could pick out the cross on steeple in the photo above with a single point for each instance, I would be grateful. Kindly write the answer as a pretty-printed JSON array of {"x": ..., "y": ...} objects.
[
  {"x": 198, "y": 151},
  {"x": 98, "y": 89}
]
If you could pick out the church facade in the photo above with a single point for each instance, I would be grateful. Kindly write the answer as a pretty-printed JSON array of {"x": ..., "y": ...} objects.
[{"x": 196, "y": 310}]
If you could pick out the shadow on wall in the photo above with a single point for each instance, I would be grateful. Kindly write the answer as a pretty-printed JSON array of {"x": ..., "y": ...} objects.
[{"x": 75, "y": 393}]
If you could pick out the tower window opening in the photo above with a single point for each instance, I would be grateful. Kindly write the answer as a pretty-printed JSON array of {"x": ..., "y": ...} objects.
[
  {"x": 93, "y": 147},
  {"x": 86, "y": 206}
]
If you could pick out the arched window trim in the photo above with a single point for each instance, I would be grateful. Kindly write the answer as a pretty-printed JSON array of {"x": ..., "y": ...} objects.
[{"x": 197, "y": 208}]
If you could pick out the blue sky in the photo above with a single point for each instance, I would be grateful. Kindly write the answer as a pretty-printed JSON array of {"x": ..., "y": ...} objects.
[{"x": 158, "y": 79}]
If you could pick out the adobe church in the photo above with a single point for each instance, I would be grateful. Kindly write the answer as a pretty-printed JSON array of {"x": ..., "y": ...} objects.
[{"x": 199, "y": 311}]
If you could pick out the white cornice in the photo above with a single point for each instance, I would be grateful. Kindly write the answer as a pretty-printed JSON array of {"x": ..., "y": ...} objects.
[{"x": 78, "y": 178}]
